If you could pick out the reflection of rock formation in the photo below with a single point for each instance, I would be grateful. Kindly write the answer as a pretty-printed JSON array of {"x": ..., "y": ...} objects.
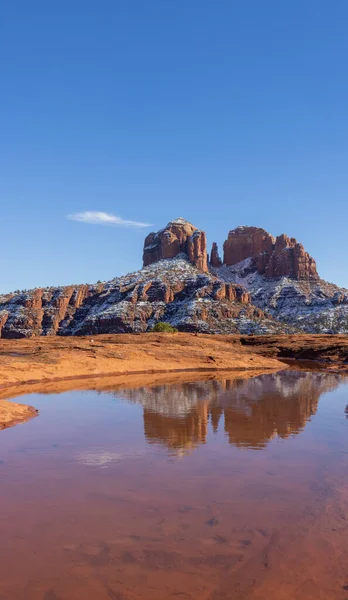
[
  {"x": 175, "y": 415},
  {"x": 254, "y": 410},
  {"x": 178, "y": 433},
  {"x": 271, "y": 406}
]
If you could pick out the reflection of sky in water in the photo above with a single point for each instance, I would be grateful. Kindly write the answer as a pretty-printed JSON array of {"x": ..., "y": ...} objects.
[{"x": 103, "y": 458}]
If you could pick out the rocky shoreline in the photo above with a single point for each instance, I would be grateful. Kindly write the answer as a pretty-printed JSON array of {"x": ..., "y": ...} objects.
[{"x": 41, "y": 364}]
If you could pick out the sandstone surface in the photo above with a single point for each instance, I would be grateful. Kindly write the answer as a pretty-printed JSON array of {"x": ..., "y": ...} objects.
[
  {"x": 12, "y": 413},
  {"x": 39, "y": 360}
]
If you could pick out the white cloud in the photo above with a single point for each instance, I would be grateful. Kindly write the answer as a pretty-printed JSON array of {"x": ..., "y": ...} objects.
[{"x": 102, "y": 218}]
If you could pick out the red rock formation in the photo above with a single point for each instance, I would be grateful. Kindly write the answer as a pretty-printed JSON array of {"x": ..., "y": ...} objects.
[
  {"x": 179, "y": 236},
  {"x": 272, "y": 257},
  {"x": 215, "y": 260}
]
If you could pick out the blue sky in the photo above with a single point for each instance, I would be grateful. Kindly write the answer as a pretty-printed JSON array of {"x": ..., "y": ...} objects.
[{"x": 226, "y": 113}]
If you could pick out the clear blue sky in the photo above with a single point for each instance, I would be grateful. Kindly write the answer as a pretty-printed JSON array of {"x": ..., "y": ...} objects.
[{"x": 226, "y": 113}]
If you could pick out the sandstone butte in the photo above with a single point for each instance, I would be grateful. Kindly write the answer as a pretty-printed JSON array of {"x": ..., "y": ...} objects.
[
  {"x": 274, "y": 257},
  {"x": 179, "y": 236},
  {"x": 54, "y": 364}
]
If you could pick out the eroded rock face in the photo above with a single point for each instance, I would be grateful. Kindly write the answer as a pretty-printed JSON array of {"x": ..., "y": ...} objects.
[
  {"x": 41, "y": 311},
  {"x": 177, "y": 237},
  {"x": 272, "y": 257},
  {"x": 290, "y": 259},
  {"x": 169, "y": 290}
]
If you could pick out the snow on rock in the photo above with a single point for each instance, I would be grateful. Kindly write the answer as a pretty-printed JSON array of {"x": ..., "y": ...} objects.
[
  {"x": 310, "y": 306},
  {"x": 171, "y": 290}
]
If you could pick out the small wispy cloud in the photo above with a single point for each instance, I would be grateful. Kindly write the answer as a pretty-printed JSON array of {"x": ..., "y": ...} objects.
[{"x": 103, "y": 218}]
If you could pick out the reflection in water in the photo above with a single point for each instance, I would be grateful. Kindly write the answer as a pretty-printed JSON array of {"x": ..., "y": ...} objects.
[
  {"x": 254, "y": 411},
  {"x": 90, "y": 508},
  {"x": 102, "y": 458}
]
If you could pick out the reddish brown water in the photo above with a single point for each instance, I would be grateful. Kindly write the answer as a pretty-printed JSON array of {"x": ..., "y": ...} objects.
[{"x": 210, "y": 490}]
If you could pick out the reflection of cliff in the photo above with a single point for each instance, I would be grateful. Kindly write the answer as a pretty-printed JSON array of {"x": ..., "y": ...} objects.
[
  {"x": 179, "y": 434},
  {"x": 254, "y": 410}
]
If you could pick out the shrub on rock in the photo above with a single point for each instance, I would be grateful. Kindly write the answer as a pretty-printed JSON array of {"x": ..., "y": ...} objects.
[{"x": 162, "y": 327}]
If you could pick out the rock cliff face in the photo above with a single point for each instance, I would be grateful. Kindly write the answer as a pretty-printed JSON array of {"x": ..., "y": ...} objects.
[
  {"x": 264, "y": 285},
  {"x": 248, "y": 242},
  {"x": 41, "y": 311},
  {"x": 273, "y": 257},
  {"x": 178, "y": 237}
]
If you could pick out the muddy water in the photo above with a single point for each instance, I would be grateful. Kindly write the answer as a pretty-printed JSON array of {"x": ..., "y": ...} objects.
[{"x": 207, "y": 490}]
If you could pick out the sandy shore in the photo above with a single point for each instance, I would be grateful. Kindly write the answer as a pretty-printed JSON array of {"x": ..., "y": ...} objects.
[
  {"x": 56, "y": 364},
  {"x": 12, "y": 413}
]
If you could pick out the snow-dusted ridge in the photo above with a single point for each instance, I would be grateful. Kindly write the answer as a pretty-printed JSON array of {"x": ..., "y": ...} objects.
[
  {"x": 171, "y": 290},
  {"x": 176, "y": 291}
]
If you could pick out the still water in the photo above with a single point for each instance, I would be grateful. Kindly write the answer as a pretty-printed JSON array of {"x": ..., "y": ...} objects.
[{"x": 207, "y": 490}]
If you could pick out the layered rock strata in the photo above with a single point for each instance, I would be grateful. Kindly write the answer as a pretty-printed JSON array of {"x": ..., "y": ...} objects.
[{"x": 169, "y": 290}]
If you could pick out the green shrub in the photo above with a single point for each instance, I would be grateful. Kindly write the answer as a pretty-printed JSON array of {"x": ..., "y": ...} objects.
[{"x": 162, "y": 327}]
